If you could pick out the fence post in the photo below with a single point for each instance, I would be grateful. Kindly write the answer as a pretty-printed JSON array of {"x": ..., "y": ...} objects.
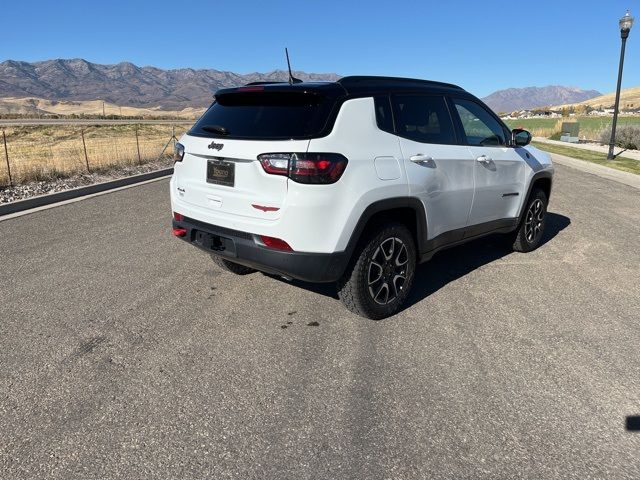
[
  {"x": 138, "y": 145},
  {"x": 84, "y": 145},
  {"x": 6, "y": 156},
  {"x": 173, "y": 137}
]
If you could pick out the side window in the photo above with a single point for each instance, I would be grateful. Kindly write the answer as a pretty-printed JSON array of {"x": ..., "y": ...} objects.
[
  {"x": 423, "y": 118},
  {"x": 383, "y": 113},
  {"x": 480, "y": 127}
]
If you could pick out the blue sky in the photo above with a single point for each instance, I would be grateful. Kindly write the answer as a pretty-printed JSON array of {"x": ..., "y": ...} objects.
[{"x": 481, "y": 45}]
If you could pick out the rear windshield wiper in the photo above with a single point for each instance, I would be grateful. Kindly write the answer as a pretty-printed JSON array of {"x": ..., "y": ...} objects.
[{"x": 215, "y": 129}]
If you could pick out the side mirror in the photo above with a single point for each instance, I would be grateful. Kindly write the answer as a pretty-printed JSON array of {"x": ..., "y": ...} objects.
[{"x": 520, "y": 137}]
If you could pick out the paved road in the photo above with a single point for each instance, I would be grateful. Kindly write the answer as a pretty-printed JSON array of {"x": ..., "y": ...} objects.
[
  {"x": 125, "y": 354},
  {"x": 65, "y": 121}
]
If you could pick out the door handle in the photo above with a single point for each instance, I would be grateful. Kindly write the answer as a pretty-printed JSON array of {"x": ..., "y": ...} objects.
[
  {"x": 484, "y": 159},
  {"x": 420, "y": 158}
]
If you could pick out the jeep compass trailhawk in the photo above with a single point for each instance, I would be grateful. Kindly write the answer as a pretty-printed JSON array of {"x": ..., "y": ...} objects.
[{"x": 353, "y": 182}]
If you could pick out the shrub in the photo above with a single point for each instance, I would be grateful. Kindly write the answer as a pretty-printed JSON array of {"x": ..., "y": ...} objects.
[{"x": 627, "y": 136}]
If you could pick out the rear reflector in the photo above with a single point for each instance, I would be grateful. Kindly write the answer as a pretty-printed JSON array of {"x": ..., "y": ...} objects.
[
  {"x": 179, "y": 232},
  {"x": 178, "y": 217},
  {"x": 275, "y": 243},
  {"x": 265, "y": 208}
]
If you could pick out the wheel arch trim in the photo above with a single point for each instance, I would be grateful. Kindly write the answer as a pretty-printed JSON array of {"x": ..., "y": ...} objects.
[
  {"x": 544, "y": 174},
  {"x": 389, "y": 204}
]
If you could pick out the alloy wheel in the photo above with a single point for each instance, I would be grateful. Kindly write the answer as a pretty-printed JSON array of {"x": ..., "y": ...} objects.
[
  {"x": 533, "y": 221},
  {"x": 388, "y": 270}
]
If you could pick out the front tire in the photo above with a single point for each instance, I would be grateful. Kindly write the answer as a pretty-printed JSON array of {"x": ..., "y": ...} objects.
[
  {"x": 377, "y": 283},
  {"x": 529, "y": 235},
  {"x": 232, "y": 267}
]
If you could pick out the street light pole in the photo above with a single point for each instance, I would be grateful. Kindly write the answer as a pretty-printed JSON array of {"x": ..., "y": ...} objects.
[{"x": 626, "y": 23}]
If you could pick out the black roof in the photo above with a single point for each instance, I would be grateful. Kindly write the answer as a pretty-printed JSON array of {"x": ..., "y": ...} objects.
[{"x": 355, "y": 85}]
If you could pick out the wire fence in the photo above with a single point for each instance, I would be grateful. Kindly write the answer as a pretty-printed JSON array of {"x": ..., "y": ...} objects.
[{"x": 46, "y": 152}]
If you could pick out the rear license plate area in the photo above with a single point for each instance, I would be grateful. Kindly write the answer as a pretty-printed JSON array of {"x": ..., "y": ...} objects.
[{"x": 220, "y": 172}]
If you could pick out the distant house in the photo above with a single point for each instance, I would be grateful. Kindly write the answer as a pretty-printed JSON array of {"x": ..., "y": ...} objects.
[{"x": 533, "y": 114}]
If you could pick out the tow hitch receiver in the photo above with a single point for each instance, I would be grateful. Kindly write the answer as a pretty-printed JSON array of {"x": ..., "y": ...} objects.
[{"x": 209, "y": 241}]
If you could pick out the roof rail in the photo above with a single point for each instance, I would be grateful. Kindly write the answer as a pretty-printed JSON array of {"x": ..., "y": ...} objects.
[{"x": 360, "y": 80}]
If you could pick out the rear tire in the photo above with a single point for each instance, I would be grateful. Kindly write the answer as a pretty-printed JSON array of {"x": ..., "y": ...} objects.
[
  {"x": 378, "y": 280},
  {"x": 230, "y": 266},
  {"x": 529, "y": 234}
]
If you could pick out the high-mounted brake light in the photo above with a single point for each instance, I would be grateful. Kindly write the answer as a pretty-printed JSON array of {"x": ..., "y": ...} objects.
[
  {"x": 309, "y": 168},
  {"x": 249, "y": 89}
]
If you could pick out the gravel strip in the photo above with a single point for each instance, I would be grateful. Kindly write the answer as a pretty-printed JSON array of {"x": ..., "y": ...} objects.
[{"x": 43, "y": 187}]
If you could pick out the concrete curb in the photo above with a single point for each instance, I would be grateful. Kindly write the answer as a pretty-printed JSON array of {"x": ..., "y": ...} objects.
[
  {"x": 630, "y": 179},
  {"x": 43, "y": 200}
]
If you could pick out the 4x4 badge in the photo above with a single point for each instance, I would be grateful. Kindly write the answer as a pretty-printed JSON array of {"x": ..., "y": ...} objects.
[{"x": 216, "y": 146}]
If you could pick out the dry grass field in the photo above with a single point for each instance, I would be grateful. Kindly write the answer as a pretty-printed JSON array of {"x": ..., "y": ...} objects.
[
  {"x": 44, "y": 152},
  {"x": 590, "y": 127}
]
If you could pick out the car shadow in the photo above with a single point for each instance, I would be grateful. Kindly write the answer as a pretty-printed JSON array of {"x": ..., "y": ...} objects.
[
  {"x": 456, "y": 262},
  {"x": 450, "y": 264}
]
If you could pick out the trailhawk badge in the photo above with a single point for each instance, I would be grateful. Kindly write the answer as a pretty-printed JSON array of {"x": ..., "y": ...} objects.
[{"x": 216, "y": 146}]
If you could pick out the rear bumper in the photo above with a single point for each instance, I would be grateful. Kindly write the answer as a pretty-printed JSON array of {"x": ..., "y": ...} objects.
[{"x": 242, "y": 248}]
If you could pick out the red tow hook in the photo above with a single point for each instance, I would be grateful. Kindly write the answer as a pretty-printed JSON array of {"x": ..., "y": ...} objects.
[{"x": 179, "y": 231}]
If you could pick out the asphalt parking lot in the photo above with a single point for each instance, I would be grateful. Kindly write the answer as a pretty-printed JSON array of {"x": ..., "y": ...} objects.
[{"x": 124, "y": 353}]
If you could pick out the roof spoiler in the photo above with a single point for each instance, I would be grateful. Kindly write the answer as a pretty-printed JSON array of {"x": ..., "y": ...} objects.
[{"x": 358, "y": 80}]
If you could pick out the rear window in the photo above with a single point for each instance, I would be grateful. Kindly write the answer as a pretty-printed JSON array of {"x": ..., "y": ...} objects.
[
  {"x": 383, "y": 114},
  {"x": 265, "y": 115}
]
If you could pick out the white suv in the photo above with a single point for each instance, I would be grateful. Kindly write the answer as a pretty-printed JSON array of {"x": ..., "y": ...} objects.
[{"x": 353, "y": 182}]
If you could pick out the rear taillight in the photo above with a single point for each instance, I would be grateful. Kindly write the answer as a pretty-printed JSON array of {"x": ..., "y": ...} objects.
[
  {"x": 275, "y": 163},
  {"x": 178, "y": 152},
  {"x": 275, "y": 243},
  {"x": 178, "y": 217},
  {"x": 179, "y": 232},
  {"x": 317, "y": 167},
  {"x": 310, "y": 168}
]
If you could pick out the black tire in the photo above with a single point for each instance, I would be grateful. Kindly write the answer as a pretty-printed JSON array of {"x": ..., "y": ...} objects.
[
  {"x": 529, "y": 234},
  {"x": 389, "y": 250},
  {"x": 232, "y": 267}
]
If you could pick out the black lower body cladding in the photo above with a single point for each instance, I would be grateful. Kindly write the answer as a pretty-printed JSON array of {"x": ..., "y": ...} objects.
[{"x": 241, "y": 248}]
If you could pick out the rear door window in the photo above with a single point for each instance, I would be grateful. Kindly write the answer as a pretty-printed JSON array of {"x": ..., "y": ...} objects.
[
  {"x": 423, "y": 118},
  {"x": 265, "y": 115}
]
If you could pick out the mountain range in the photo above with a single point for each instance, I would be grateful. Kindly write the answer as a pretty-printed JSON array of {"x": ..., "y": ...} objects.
[
  {"x": 513, "y": 99},
  {"x": 128, "y": 85}
]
